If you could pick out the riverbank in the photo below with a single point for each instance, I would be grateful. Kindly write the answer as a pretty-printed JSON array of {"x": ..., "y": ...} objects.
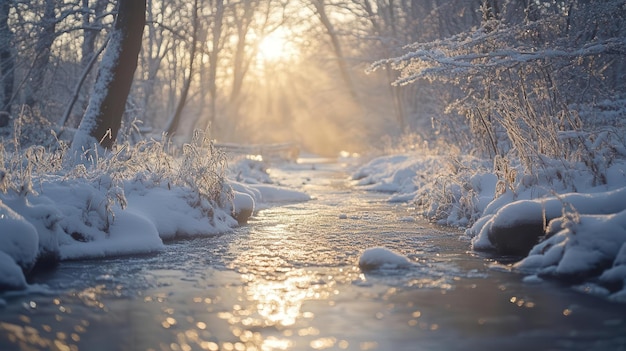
[{"x": 558, "y": 223}]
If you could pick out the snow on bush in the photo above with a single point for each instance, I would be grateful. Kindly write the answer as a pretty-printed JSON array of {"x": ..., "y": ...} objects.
[
  {"x": 382, "y": 258},
  {"x": 449, "y": 189},
  {"x": 588, "y": 247}
]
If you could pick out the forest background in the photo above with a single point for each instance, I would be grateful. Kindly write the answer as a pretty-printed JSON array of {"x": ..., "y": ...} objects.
[{"x": 517, "y": 80}]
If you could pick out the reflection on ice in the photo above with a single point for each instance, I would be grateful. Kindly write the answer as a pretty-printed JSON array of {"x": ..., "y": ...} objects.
[
  {"x": 280, "y": 302},
  {"x": 277, "y": 302},
  {"x": 273, "y": 343}
]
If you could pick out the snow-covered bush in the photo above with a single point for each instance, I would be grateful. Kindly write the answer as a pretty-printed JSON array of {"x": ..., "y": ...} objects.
[
  {"x": 525, "y": 85},
  {"x": 27, "y": 129},
  {"x": 202, "y": 168},
  {"x": 448, "y": 189}
]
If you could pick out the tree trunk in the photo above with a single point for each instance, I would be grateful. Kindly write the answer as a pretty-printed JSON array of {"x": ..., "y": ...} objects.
[
  {"x": 341, "y": 61},
  {"x": 214, "y": 53},
  {"x": 103, "y": 118},
  {"x": 7, "y": 61},
  {"x": 240, "y": 66},
  {"x": 172, "y": 126},
  {"x": 42, "y": 53}
]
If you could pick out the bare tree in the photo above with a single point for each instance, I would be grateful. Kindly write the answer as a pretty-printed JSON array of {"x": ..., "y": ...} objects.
[
  {"x": 193, "y": 45},
  {"x": 45, "y": 38},
  {"x": 214, "y": 54},
  {"x": 320, "y": 9},
  {"x": 7, "y": 61}
]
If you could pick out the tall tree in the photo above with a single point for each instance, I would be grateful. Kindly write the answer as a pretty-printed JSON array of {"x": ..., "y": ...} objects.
[
  {"x": 103, "y": 117},
  {"x": 214, "y": 53},
  {"x": 7, "y": 61},
  {"x": 320, "y": 9},
  {"x": 174, "y": 121},
  {"x": 45, "y": 38}
]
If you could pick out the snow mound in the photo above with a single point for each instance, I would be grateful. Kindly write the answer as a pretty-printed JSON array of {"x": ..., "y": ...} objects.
[
  {"x": 587, "y": 247},
  {"x": 274, "y": 194},
  {"x": 18, "y": 240},
  {"x": 389, "y": 174},
  {"x": 243, "y": 206},
  {"x": 248, "y": 170},
  {"x": 516, "y": 227},
  {"x": 177, "y": 211},
  {"x": 381, "y": 258},
  {"x": 11, "y": 275},
  {"x": 130, "y": 233}
]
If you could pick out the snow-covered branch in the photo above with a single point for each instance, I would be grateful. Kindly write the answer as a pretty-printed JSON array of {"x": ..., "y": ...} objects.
[{"x": 429, "y": 62}]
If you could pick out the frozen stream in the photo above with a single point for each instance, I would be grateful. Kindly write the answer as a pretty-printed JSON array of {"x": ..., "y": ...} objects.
[{"x": 289, "y": 281}]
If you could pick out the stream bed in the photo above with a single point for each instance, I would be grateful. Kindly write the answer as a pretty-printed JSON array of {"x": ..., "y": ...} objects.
[{"x": 289, "y": 280}]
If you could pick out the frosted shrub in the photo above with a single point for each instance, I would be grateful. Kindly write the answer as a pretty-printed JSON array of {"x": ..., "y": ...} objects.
[
  {"x": 456, "y": 192},
  {"x": 202, "y": 168},
  {"x": 522, "y": 82},
  {"x": 30, "y": 128}
]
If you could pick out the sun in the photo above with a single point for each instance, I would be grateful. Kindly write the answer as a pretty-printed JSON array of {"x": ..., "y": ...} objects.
[{"x": 276, "y": 47}]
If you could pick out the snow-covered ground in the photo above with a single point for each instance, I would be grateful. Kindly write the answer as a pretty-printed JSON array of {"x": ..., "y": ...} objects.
[
  {"x": 91, "y": 212},
  {"x": 556, "y": 221},
  {"x": 114, "y": 209}
]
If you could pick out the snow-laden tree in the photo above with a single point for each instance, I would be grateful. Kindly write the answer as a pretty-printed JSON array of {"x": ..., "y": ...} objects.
[
  {"x": 103, "y": 118},
  {"x": 523, "y": 75}
]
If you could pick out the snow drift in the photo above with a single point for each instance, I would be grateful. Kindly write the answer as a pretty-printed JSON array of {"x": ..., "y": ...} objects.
[{"x": 558, "y": 221}]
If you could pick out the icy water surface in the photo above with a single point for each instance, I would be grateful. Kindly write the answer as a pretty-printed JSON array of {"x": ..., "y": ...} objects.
[{"x": 289, "y": 281}]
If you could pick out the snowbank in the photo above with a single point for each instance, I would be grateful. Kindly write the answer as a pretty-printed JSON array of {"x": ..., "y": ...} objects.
[
  {"x": 72, "y": 219},
  {"x": 18, "y": 248},
  {"x": 516, "y": 227},
  {"x": 441, "y": 186},
  {"x": 508, "y": 214},
  {"x": 11, "y": 275},
  {"x": 275, "y": 194},
  {"x": 392, "y": 174},
  {"x": 249, "y": 170},
  {"x": 254, "y": 189},
  {"x": 178, "y": 212},
  {"x": 586, "y": 248}
]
